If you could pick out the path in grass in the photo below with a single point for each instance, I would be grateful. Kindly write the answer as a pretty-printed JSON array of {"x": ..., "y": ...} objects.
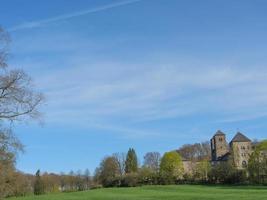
[{"x": 180, "y": 192}]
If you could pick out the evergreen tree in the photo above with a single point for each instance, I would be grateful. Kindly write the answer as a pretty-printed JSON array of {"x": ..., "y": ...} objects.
[
  {"x": 131, "y": 165},
  {"x": 38, "y": 184}
]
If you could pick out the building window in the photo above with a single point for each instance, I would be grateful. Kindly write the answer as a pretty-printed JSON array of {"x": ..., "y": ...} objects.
[{"x": 220, "y": 139}]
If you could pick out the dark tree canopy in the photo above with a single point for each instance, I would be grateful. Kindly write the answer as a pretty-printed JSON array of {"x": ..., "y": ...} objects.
[
  {"x": 38, "y": 184},
  {"x": 131, "y": 163}
]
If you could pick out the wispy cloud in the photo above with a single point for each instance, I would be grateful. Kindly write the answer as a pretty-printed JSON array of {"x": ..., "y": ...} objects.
[
  {"x": 38, "y": 23},
  {"x": 143, "y": 93},
  {"x": 107, "y": 93},
  {"x": 110, "y": 91}
]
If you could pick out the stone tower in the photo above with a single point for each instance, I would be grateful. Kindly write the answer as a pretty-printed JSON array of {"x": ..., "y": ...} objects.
[
  {"x": 241, "y": 149},
  {"x": 218, "y": 145}
]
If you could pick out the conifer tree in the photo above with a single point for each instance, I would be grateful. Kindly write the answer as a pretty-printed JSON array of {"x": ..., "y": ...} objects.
[
  {"x": 38, "y": 184},
  {"x": 131, "y": 165}
]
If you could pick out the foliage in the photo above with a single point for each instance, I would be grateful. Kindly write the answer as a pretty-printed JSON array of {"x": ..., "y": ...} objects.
[
  {"x": 202, "y": 170},
  {"x": 225, "y": 173},
  {"x": 38, "y": 184},
  {"x": 109, "y": 170},
  {"x": 262, "y": 146},
  {"x": 257, "y": 165},
  {"x": 9, "y": 147},
  {"x": 130, "y": 180},
  {"x": 171, "y": 167},
  {"x": 21, "y": 185},
  {"x": 131, "y": 163},
  {"x": 148, "y": 176}
]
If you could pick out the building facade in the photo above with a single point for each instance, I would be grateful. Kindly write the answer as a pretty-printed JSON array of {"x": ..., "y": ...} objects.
[{"x": 239, "y": 149}]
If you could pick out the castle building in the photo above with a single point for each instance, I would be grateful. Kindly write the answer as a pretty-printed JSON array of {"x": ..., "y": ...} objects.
[{"x": 239, "y": 149}]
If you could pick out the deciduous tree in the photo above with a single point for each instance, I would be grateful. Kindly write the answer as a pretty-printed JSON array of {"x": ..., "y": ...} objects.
[
  {"x": 195, "y": 152},
  {"x": 152, "y": 161},
  {"x": 120, "y": 159},
  {"x": 109, "y": 170},
  {"x": 171, "y": 167},
  {"x": 18, "y": 101},
  {"x": 257, "y": 165},
  {"x": 87, "y": 178}
]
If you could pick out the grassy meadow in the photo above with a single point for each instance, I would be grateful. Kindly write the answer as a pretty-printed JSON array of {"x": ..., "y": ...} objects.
[{"x": 180, "y": 192}]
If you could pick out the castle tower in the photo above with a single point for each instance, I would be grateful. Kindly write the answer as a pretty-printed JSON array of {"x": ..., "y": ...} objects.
[
  {"x": 241, "y": 149},
  {"x": 218, "y": 145}
]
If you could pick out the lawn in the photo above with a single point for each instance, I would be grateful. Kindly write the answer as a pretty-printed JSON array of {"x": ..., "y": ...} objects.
[{"x": 180, "y": 192}]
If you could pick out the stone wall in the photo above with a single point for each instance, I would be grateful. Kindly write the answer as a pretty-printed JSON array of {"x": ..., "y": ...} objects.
[{"x": 241, "y": 152}]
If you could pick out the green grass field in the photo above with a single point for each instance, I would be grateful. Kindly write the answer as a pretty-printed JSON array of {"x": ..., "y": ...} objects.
[{"x": 181, "y": 192}]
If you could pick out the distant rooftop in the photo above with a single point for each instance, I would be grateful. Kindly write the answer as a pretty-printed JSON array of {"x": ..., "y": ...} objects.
[
  {"x": 239, "y": 137},
  {"x": 219, "y": 132}
]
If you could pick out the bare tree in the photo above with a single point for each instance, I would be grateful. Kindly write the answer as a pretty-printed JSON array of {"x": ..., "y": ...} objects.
[
  {"x": 120, "y": 159},
  {"x": 195, "y": 152},
  {"x": 87, "y": 179},
  {"x": 152, "y": 161},
  {"x": 18, "y": 99}
]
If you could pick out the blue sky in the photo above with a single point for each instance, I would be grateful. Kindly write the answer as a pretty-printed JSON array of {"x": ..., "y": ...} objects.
[{"x": 148, "y": 74}]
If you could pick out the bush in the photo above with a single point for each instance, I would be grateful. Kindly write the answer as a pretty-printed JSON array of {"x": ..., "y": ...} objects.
[
  {"x": 166, "y": 179},
  {"x": 130, "y": 180},
  {"x": 225, "y": 173},
  {"x": 147, "y": 177}
]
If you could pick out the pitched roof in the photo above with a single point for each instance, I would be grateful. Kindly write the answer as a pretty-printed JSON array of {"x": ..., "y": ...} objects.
[
  {"x": 219, "y": 132},
  {"x": 239, "y": 137}
]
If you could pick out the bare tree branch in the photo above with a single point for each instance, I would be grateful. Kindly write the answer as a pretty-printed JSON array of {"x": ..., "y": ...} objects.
[{"x": 18, "y": 99}]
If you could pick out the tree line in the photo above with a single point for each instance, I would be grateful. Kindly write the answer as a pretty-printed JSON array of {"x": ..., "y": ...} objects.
[
  {"x": 124, "y": 170},
  {"x": 173, "y": 168}
]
